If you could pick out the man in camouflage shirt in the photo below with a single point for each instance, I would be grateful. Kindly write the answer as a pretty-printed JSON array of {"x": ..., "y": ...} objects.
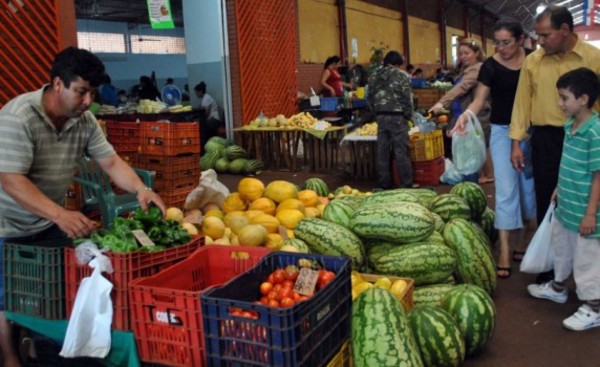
[{"x": 390, "y": 98}]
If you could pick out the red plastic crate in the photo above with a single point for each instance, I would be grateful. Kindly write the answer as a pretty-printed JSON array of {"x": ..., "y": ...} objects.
[
  {"x": 126, "y": 268},
  {"x": 172, "y": 173},
  {"x": 424, "y": 173},
  {"x": 165, "y": 308},
  {"x": 125, "y": 143},
  {"x": 174, "y": 198},
  {"x": 169, "y": 139},
  {"x": 124, "y": 136}
]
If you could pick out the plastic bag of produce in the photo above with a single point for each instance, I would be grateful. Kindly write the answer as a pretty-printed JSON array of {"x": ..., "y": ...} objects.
[
  {"x": 450, "y": 176},
  {"x": 468, "y": 150},
  {"x": 209, "y": 190},
  {"x": 540, "y": 255}
]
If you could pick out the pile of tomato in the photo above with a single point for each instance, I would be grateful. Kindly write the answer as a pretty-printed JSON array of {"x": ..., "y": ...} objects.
[{"x": 278, "y": 289}]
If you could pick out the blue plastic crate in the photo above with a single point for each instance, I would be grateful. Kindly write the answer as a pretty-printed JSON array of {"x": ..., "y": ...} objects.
[
  {"x": 359, "y": 103},
  {"x": 307, "y": 334},
  {"x": 329, "y": 104}
]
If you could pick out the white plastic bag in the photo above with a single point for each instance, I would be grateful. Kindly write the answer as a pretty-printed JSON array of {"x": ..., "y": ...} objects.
[
  {"x": 450, "y": 176},
  {"x": 539, "y": 256},
  {"x": 209, "y": 190},
  {"x": 468, "y": 150},
  {"x": 88, "y": 331}
]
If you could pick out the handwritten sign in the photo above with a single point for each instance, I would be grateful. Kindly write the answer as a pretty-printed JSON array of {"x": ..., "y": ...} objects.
[
  {"x": 306, "y": 282},
  {"x": 142, "y": 238}
]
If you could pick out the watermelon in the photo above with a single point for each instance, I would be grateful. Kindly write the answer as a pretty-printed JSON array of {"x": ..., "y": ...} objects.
[
  {"x": 378, "y": 249},
  {"x": 222, "y": 165},
  {"x": 209, "y": 159},
  {"x": 236, "y": 166},
  {"x": 487, "y": 223},
  {"x": 234, "y": 152},
  {"x": 426, "y": 263},
  {"x": 449, "y": 206},
  {"x": 298, "y": 244},
  {"x": 388, "y": 196},
  {"x": 329, "y": 238},
  {"x": 474, "y": 195},
  {"x": 475, "y": 264},
  {"x": 399, "y": 223},
  {"x": 435, "y": 237},
  {"x": 438, "y": 336},
  {"x": 431, "y": 294},
  {"x": 339, "y": 211},
  {"x": 317, "y": 185},
  {"x": 439, "y": 222},
  {"x": 215, "y": 144},
  {"x": 253, "y": 166},
  {"x": 473, "y": 310},
  {"x": 381, "y": 335}
]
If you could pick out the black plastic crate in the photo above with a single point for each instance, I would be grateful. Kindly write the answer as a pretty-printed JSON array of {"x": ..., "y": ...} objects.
[{"x": 308, "y": 334}]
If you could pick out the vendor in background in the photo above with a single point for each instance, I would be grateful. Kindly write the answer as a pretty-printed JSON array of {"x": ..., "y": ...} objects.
[
  {"x": 331, "y": 80},
  {"x": 210, "y": 114},
  {"x": 108, "y": 93},
  {"x": 45, "y": 133},
  {"x": 462, "y": 94},
  {"x": 148, "y": 90}
]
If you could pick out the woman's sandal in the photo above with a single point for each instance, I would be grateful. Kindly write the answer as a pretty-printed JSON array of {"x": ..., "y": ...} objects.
[
  {"x": 518, "y": 255},
  {"x": 503, "y": 269}
]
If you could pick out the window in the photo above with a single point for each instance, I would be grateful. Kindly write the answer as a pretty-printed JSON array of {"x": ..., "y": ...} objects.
[
  {"x": 145, "y": 44},
  {"x": 102, "y": 42},
  {"x": 455, "y": 49}
]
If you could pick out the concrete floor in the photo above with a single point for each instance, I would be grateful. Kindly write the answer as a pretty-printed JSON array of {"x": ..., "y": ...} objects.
[{"x": 528, "y": 331}]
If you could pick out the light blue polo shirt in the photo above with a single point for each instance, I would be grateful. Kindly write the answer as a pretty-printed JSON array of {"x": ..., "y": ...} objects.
[{"x": 580, "y": 159}]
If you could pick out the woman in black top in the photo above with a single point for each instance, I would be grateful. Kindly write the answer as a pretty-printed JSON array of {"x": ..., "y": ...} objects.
[{"x": 515, "y": 195}]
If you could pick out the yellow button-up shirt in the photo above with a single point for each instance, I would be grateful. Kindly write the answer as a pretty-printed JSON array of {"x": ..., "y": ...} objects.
[{"x": 536, "y": 101}]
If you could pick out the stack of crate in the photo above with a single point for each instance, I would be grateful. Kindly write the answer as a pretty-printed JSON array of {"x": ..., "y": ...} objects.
[
  {"x": 125, "y": 137},
  {"x": 172, "y": 151}
]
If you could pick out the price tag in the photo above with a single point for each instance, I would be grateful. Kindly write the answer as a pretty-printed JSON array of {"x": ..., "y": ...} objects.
[
  {"x": 306, "y": 282},
  {"x": 142, "y": 238}
]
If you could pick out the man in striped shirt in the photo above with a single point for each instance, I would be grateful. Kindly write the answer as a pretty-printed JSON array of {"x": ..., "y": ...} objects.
[
  {"x": 575, "y": 230},
  {"x": 42, "y": 135}
]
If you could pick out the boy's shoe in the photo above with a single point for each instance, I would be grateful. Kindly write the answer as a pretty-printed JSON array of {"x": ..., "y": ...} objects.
[
  {"x": 585, "y": 318},
  {"x": 546, "y": 291}
]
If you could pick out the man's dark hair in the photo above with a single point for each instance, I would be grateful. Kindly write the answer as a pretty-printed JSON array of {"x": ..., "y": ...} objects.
[
  {"x": 200, "y": 87},
  {"x": 510, "y": 24},
  {"x": 559, "y": 15},
  {"x": 393, "y": 58},
  {"x": 581, "y": 81},
  {"x": 73, "y": 62}
]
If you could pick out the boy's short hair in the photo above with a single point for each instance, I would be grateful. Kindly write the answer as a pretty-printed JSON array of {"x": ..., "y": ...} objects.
[
  {"x": 581, "y": 81},
  {"x": 73, "y": 62}
]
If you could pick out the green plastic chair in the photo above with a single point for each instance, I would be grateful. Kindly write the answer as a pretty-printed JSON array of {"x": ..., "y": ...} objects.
[{"x": 98, "y": 191}]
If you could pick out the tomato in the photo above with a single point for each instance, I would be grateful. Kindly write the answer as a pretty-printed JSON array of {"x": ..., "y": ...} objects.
[
  {"x": 264, "y": 301},
  {"x": 287, "y": 302},
  {"x": 296, "y": 296},
  {"x": 288, "y": 284},
  {"x": 278, "y": 276},
  {"x": 291, "y": 272},
  {"x": 265, "y": 288},
  {"x": 277, "y": 287},
  {"x": 273, "y": 303},
  {"x": 272, "y": 295},
  {"x": 325, "y": 277},
  {"x": 247, "y": 314},
  {"x": 235, "y": 311},
  {"x": 270, "y": 278},
  {"x": 284, "y": 293},
  {"x": 302, "y": 298}
]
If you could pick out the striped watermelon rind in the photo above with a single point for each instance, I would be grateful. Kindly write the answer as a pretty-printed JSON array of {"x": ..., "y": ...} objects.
[
  {"x": 431, "y": 295},
  {"x": 474, "y": 195},
  {"x": 438, "y": 336},
  {"x": 475, "y": 264},
  {"x": 298, "y": 244},
  {"x": 317, "y": 185},
  {"x": 487, "y": 223},
  {"x": 450, "y": 206},
  {"x": 329, "y": 238},
  {"x": 474, "y": 311},
  {"x": 380, "y": 333},
  {"x": 399, "y": 223},
  {"x": 339, "y": 211}
]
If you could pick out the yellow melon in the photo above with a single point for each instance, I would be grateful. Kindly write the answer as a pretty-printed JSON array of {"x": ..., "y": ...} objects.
[
  {"x": 309, "y": 198},
  {"x": 251, "y": 188},
  {"x": 238, "y": 222},
  {"x": 214, "y": 213},
  {"x": 290, "y": 233},
  {"x": 274, "y": 241},
  {"x": 291, "y": 204},
  {"x": 190, "y": 228},
  {"x": 213, "y": 227},
  {"x": 252, "y": 235},
  {"x": 265, "y": 205},
  {"x": 229, "y": 216},
  {"x": 234, "y": 202},
  {"x": 289, "y": 217},
  {"x": 210, "y": 206},
  {"x": 174, "y": 214},
  {"x": 280, "y": 190},
  {"x": 268, "y": 221},
  {"x": 252, "y": 213},
  {"x": 312, "y": 212}
]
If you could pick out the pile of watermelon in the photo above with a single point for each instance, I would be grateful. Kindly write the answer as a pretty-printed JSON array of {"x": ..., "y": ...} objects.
[
  {"x": 444, "y": 242},
  {"x": 225, "y": 157}
]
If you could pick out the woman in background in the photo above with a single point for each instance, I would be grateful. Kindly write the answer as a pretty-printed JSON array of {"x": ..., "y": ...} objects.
[{"x": 331, "y": 80}]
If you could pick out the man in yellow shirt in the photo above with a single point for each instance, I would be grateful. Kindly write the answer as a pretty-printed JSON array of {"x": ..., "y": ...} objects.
[{"x": 536, "y": 112}]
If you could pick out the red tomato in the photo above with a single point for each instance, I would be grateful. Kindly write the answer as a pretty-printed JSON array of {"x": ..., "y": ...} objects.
[
  {"x": 291, "y": 272},
  {"x": 287, "y": 302},
  {"x": 264, "y": 301},
  {"x": 288, "y": 284},
  {"x": 247, "y": 314},
  {"x": 284, "y": 293},
  {"x": 302, "y": 298},
  {"x": 273, "y": 303},
  {"x": 325, "y": 277},
  {"x": 270, "y": 278},
  {"x": 277, "y": 287},
  {"x": 278, "y": 276},
  {"x": 235, "y": 311},
  {"x": 272, "y": 295},
  {"x": 265, "y": 288},
  {"x": 296, "y": 296}
]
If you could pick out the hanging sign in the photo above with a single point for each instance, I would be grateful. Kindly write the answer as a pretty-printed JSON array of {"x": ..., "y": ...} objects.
[{"x": 160, "y": 14}]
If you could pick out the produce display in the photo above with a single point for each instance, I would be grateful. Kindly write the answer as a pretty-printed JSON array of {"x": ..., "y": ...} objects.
[
  {"x": 302, "y": 120},
  {"x": 369, "y": 129},
  {"x": 225, "y": 157}
]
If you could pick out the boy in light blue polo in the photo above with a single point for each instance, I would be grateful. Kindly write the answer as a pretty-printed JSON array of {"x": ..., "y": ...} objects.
[{"x": 575, "y": 230}]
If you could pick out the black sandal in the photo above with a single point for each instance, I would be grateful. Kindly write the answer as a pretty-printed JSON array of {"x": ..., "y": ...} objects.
[
  {"x": 518, "y": 255},
  {"x": 506, "y": 269}
]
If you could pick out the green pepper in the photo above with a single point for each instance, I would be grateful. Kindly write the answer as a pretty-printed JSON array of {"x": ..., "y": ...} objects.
[
  {"x": 153, "y": 215},
  {"x": 135, "y": 224},
  {"x": 155, "y": 233}
]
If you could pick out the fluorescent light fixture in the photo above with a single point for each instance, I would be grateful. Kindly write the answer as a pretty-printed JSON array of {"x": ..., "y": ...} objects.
[{"x": 540, "y": 8}]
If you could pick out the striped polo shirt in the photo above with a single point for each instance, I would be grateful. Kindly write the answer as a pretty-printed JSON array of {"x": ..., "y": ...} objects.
[
  {"x": 580, "y": 159},
  {"x": 31, "y": 145}
]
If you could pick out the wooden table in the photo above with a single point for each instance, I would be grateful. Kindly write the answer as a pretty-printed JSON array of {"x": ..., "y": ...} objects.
[
  {"x": 362, "y": 156},
  {"x": 323, "y": 154}
]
